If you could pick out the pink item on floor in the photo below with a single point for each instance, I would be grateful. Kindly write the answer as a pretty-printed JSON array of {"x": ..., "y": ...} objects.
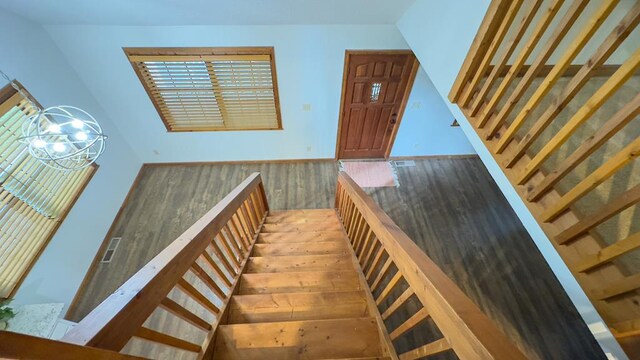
[{"x": 370, "y": 173}]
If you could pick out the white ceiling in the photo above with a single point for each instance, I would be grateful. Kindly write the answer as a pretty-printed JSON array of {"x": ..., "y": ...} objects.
[{"x": 208, "y": 12}]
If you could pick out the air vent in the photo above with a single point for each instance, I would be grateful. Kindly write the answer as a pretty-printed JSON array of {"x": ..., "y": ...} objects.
[
  {"x": 404, "y": 163},
  {"x": 111, "y": 249}
]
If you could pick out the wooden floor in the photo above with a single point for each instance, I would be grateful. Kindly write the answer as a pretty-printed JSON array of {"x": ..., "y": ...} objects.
[{"x": 450, "y": 207}]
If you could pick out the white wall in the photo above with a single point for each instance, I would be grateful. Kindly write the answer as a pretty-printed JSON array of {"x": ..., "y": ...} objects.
[
  {"x": 30, "y": 56},
  {"x": 309, "y": 62},
  {"x": 441, "y": 44},
  {"x": 426, "y": 125}
]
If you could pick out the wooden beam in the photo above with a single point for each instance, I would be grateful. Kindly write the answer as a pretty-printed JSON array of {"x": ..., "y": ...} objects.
[
  {"x": 496, "y": 41},
  {"x": 209, "y": 261},
  {"x": 627, "y": 199},
  {"x": 497, "y": 71},
  {"x": 583, "y": 114},
  {"x": 186, "y": 315},
  {"x": 429, "y": 349},
  {"x": 609, "y": 253},
  {"x": 197, "y": 296},
  {"x": 526, "y": 50},
  {"x": 208, "y": 280},
  {"x": 397, "y": 303},
  {"x": 410, "y": 323},
  {"x": 165, "y": 339},
  {"x": 387, "y": 289},
  {"x": 629, "y": 112},
  {"x": 597, "y": 177},
  {"x": 568, "y": 55},
  {"x": 21, "y": 346},
  {"x": 630, "y": 283},
  {"x": 592, "y": 67},
  {"x": 482, "y": 40}
]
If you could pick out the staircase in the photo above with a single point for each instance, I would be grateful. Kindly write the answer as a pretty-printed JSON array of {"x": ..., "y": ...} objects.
[
  {"x": 301, "y": 295},
  {"x": 245, "y": 282}
]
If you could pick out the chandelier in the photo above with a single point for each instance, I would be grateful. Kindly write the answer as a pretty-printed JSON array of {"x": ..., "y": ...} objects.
[{"x": 62, "y": 137}]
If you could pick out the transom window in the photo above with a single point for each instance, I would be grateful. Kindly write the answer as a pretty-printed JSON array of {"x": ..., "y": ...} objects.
[
  {"x": 210, "y": 89},
  {"x": 34, "y": 198}
]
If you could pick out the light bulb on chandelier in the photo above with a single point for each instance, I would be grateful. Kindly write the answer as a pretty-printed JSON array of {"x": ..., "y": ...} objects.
[{"x": 62, "y": 137}]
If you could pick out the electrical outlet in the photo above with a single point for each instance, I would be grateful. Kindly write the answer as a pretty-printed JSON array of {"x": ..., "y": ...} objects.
[
  {"x": 306, "y": 107},
  {"x": 416, "y": 105},
  {"x": 308, "y": 148}
]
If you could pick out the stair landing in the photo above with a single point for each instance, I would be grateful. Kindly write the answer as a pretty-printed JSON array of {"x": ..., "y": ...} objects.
[{"x": 301, "y": 295}]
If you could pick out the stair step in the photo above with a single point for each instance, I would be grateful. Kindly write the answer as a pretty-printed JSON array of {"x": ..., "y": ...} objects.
[
  {"x": 310, "y": 248},
  {"x": 297, "y": 306},
  {"x": 302, "y": 213},
  {"x": 301, "y": 219},
  {"x": 298, "y": 263},
  {"x": 302, "y": 227},
  {"x": 291, "y": 237},
  {"x": 308, "y": 339},
  {"x": 364, "y": 358},
  {"x": 294, "y": 282}
]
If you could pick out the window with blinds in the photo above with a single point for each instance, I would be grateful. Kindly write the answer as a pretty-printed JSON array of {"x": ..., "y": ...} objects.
[
  {"x": 210, "y": 89},
  {"x": 34, "y": 198}
]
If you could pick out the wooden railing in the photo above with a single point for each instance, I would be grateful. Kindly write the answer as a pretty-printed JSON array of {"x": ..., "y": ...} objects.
[
  {"x": 396, "y": 269},
  {"x": 202, "y": 266},
  {"x": 557, "y": 106}
]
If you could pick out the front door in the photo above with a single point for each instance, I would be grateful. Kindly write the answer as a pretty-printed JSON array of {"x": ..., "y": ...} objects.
[{"x": 375, "y": 92}]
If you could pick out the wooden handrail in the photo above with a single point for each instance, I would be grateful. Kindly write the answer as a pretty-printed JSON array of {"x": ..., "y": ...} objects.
[
  {"x": 468, "y": 332},
  {"x": 229, "y": 228},
  {"x": 21, "y": 346}
]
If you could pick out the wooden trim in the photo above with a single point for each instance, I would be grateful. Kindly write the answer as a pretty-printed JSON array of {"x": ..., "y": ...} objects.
[
  {"x": 239, "y": 162},
  {"x": 137, "y": 54},
  {"x": 103, "y": 247},
  {"x": 412, "y": 76},
  {"x": 435, "y": 157}
]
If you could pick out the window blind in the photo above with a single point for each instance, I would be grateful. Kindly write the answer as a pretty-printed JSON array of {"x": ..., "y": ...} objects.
[
  {"x": 34, "y": 198},
  {"x": 207, "y": 92}
]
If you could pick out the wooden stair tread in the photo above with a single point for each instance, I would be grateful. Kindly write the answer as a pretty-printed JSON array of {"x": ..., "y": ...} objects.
[
  {"x": 298, "y": 263},
  {"x": 292, "y": 237},
  {"x": 301, "y": 219},
  {"x": 302, "y": 212},
  {"x": 290, "y": 282},
  {"x": 315, "y": 248},
  {"x": 297, "y": 306},
  {"x": 308, "y": 339},
  {"x": 302, "y": 227}
]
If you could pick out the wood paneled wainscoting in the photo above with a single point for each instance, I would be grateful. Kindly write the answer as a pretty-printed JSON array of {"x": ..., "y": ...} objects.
[{"x": 551, "y": 88}]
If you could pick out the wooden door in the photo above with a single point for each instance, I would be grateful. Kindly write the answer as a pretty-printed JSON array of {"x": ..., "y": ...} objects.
[{"x": 375, "y": 91}]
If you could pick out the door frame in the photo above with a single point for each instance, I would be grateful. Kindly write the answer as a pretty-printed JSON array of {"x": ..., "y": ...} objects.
[{"x": 403, "y": 104}]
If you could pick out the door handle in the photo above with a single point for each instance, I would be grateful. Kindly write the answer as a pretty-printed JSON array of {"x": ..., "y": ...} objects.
[{"x": 393, "y": 118}]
